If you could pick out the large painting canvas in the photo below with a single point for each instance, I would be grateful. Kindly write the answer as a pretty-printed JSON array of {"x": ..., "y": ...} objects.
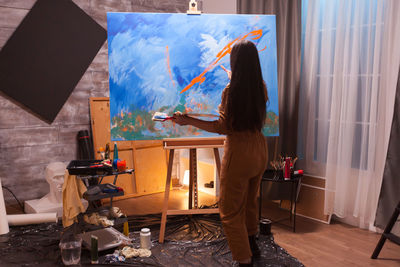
[{"x": 175, "y": 62}]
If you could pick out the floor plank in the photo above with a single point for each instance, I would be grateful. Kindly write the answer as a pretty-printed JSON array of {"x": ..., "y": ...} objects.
[
  {"x": 150, "y": 204},
  {"x": 336, "y": 244}
]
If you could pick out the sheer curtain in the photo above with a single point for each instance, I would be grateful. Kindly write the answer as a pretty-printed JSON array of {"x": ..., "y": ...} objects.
[{"x": 347, "y": 94}]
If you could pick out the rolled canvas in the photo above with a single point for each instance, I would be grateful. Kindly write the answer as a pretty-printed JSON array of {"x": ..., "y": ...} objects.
[{"x": 3, "y": 218}]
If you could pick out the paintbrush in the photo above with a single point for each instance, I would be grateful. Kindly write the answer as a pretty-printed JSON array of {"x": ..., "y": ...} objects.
[
  {"x": 201, "y": 115},
  {"x": 159, "y": 116},
  {"x": 227, "y": 71}
]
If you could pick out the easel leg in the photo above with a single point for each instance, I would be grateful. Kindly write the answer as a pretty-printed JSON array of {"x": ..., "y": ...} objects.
[
  {"x": 193, "y": 190},
  {"x": 166, "y": 197},
  {"x": 387, "y": 233},
  {"x": 217, "y": 162}
]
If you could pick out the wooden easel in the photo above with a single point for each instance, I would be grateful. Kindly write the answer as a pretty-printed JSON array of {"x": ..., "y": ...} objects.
[
  {"x": 387, "y": 233},
  {"x": 192, "y": 145}
]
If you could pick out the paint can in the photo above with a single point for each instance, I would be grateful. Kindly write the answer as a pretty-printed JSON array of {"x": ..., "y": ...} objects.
[
  {"x": 265, "y": 226},
  {"x": 145, "y": 238}
]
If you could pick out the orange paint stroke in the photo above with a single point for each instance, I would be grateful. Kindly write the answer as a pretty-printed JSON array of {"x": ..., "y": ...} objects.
[
  {"x": 254, "y": 35},
  {"x": 263, "y": 49},
  {"x": 139, "y": 120},
  {"x": 168, "y": 67},
  {"x": 227, "y": 71},
  {"x": 122, "y": 114}
]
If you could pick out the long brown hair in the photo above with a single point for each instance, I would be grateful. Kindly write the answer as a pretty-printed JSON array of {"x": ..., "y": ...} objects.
[{"x": 246, "y": 99}]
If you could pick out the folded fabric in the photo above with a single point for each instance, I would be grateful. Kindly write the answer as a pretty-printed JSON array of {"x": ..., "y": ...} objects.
[
  {"x": 97, "y": 219},
  {"x": 72, "y": 192},
  {"x": 130, "y": 252}
]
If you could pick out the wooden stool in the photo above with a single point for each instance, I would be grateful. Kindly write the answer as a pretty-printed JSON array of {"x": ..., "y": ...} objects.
[{"x": 192, "y": 145}]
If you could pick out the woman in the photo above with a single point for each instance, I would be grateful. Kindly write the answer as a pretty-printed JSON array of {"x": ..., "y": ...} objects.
[{"x": 242, "y": 116}]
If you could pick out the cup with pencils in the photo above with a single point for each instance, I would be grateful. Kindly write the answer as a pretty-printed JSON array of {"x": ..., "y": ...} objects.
[{"x": 279, "y": 166}]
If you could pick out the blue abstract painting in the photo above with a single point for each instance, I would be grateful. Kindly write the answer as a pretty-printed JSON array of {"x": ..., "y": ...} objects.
[{"x": 161, "y": 62}]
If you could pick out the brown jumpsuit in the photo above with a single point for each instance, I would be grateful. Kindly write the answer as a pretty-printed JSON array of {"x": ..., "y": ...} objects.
[{"x": 244, "y": 161}]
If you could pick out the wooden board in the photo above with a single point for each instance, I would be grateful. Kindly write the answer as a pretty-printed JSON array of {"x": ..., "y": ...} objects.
[
  {"x": 99, "y": 112},
  {"x": 201, "y": 142},
  {"x": 311, "y": 199},
  {"x": 311, "y": 203},
  {"x": 147, "y": 158},
  {"x": 151, "y": 169}
]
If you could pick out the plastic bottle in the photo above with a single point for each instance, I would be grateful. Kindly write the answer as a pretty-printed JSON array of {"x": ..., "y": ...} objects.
[
  {"x": 94, "y": 253},
  {"x": 115, "y": 151},
  {"x": 115, "y": 157},
  {"x": 126, "y": 228},
  {"x": 145, "y": 238},
  {"x": 287, "y": 168},
  {"x": 102, "y": 153},
  {"x": 107, "y": 152}
]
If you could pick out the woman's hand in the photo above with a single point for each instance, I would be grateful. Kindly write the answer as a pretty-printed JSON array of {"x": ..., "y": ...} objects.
[
  {"x": 228, "y": 72},
  {"x": 180, "y": 118}
]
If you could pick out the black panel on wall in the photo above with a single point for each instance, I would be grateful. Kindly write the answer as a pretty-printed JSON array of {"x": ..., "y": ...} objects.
[{"x": 47, "y": 55}]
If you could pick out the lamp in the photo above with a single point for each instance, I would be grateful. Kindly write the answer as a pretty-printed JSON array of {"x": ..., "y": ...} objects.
[{"x": 186, "y": 177}]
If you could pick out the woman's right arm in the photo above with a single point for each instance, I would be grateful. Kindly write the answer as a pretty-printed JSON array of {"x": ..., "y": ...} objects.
[{"x": 218, "y": 126}]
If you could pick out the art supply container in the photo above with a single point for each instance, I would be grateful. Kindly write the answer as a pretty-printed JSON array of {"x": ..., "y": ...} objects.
[
  {"x": 121, "y": 165},
  {"x": 126, "y": 228},
  {"x": 145, "y": 238},
  {"x": 102, "y": 153},
  {"x": 115, "y": 157},
  {"x": 287, "y": 168},
  {"x": 265, "y": 226},
  {"x": 107, "y": 152},
  {"x": 71, "y": 251},
  {"x": 85, "y": 145}
]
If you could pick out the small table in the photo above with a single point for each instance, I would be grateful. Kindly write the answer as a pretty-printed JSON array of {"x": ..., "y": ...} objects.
[{"x": 287, "y": 190}]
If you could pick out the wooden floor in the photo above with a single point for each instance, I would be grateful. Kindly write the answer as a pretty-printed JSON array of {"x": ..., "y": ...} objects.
[
  {"x": 150, "y": 204},
  {"x": 314, "y": 243}
]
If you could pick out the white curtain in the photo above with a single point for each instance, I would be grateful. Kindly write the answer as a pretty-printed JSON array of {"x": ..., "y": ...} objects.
[{"x": 350, "y": 63}]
